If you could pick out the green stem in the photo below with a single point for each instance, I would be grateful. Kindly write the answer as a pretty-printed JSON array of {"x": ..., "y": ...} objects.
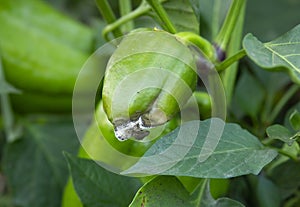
[
  {"x": 162, "y": 14},
  {"x": 201, "y": 191},
  {"x": 126, "y": 8},
  {"x": 288, "y": 154},
  {"x": 228, "y": 26},
  {"x": 200, "y": 42},
  {"x": 268, "y": 141},
  {"x": 229, "y": 61},
  {"x": 108, "y": 15},
  {"x": 7, "y": 113},
  {"x": 286, "y": 97},
  {"x": 141, "y": 10}
]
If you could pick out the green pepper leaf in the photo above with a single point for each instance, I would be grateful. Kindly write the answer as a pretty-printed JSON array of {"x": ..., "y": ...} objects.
[
  {"x": 97, "y": 187},
  {"x": 168, "y": 191},
  {"x": 267, "y": 22},
  {"x": 34, "y": 165},
  {"x": 237, "y": 153},
  {"x": 181, "y": 12},
  {"x": 279, "y": 54},
  {"x": 280, "y": 132},
  {"x": 209, "y": 201},
  {"x": 163, "y": 191}
]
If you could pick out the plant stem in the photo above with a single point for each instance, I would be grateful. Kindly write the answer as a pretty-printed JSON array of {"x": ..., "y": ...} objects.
[
  {"x": 288, "y": 154},
  {"x": 200, "y": 42},
  {"x": 162, "y": 14},
  {"x": 126, "y": 8},
  {"x": 108, "y": 15},
  {"x": 201, "y": 191},
  {"x": 268, "y": 141},
  {"x": 228, "y": 26},
  {"x": 8, "y": 116},
  {"x": 229, "y": 76},
  {"x": 229, "y": 61},
  {"x": 142, "y": 9},
  {"x": 286, "y": 97}
]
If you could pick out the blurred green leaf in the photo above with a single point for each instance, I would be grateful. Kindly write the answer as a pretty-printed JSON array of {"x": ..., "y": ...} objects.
[
  {"x": 267, "y": 193},
  {"x": 239, "y": 190},
  {"x": 295, "y": 120},
  {"x": 245, "y": 154},
  {"x": 219, "y": 187},
  {"x": 6, "y": 201},
  {"x": 280, "y": 54},
  {"x": 280, "y": 132},
  {"x": 249, "y": 99},
  {"x": 272, "y": 81},
  {"x": 98, "y": 187},
  {"x": 268, "y": 18},
  {"x": 34, "y": 165},
  {"x": 287, "y": 177},
  {"x": 182, "y": 15}
]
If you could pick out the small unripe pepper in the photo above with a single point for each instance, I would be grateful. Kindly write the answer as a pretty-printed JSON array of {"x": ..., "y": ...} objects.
[{"x": 150, "y": 76}]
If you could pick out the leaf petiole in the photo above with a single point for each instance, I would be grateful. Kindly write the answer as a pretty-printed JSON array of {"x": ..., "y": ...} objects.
[
  {"x": 288, "y": 154},
  {"x": 229, "y": 61},
  {"x": 12, "y": 130},
  {"x": 126, "y": 8},
  {"x": 108, "y": 15},
  {"x": 141, "y": 10},
  {"x": 162, "y": 14},
  {"x": 229, "y": 24}
]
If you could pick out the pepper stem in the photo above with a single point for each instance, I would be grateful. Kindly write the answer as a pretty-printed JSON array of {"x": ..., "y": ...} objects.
[
  {"x": 108, "y": 15},
  {"x": 142, "y": 9},
  {"x": 162, "y": 14},
  {"x": 126, "y": 8},
  {"x": 228, "y": 26},
  {"x": 200, "y": 42}
]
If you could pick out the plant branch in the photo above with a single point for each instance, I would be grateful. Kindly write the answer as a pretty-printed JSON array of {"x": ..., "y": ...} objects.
[
  {"x": 108, "y": 15},
  {"x": 126, "y": 8},
  {"x": 288, "y": 154},
  {"x": 7, "y": 113},
  {"x": 229, "y": 61},
  {"x": 200, "y": 42},
  {"x": 142, "y": 9},
  {"x": 228, "y": 26},
  {"x": 162, "y": 14}
]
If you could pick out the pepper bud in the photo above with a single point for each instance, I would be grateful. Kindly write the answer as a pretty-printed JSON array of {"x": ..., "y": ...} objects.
[{"x": 149, "y": 77}]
